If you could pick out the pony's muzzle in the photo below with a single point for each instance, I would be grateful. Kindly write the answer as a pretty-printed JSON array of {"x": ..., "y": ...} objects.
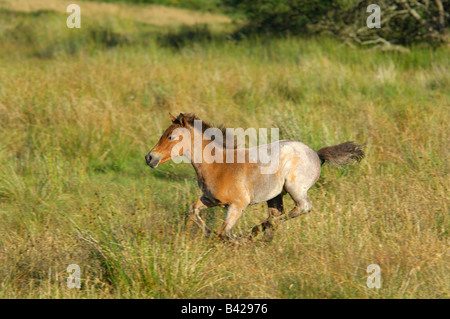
[{"x": 152, "y": 160}]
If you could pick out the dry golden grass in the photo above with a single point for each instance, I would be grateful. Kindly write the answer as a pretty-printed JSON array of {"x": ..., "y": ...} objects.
[{"x": 152, "y": 14}]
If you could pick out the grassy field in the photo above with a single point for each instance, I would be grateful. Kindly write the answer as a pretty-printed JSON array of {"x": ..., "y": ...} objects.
[{"x": 79, "y": 109}]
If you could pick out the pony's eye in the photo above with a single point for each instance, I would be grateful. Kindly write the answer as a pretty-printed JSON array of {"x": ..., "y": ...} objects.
[{"x": 171, "y": 138}]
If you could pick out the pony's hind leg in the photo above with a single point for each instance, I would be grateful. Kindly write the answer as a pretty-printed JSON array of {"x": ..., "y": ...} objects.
[{"x": 302, "y": 206}]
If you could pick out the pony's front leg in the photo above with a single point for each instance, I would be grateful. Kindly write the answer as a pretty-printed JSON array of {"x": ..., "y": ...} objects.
[
  {"x": 234, "y": 212},
  {"x": 194, "y": 214}
]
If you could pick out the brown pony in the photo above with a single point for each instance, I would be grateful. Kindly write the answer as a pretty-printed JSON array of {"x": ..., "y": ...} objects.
[{"x": 234, "y": 184}]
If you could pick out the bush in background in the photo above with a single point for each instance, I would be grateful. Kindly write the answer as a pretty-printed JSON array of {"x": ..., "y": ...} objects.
[{"x": 280, "y": 17}]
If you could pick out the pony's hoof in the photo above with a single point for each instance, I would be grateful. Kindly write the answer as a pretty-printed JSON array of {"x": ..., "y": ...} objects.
[
  {"x": 253, "y": 233},
  {"x": 234, "y": 240},
  {"x": 268, "y": 234}
]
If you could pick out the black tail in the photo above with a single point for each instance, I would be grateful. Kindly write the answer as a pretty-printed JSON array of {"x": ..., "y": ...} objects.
[{"x": 341, "y": 154}]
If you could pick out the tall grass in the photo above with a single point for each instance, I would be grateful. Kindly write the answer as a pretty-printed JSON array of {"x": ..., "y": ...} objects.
[{"x": 75, "y": 125}]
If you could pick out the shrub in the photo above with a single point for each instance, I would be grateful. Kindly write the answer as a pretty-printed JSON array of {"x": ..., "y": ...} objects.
[{"x": 278, "y": 17}]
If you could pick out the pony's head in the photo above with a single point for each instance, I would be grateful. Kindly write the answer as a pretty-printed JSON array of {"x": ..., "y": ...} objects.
[
  {"x": 164, "y": 150},
  {"x": 177, "y": 139}
]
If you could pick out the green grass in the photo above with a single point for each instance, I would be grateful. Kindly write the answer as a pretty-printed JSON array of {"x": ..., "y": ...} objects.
[{"x": 79, "y": 109}]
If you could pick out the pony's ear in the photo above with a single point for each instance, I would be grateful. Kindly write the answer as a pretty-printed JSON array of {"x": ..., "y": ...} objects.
[
  {"x": 172, "y": 118},
  {"x": 182, "y": 120}
]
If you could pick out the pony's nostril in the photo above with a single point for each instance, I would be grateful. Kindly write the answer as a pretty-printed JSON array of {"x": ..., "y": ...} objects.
[{"x": 152, "y": 160}]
